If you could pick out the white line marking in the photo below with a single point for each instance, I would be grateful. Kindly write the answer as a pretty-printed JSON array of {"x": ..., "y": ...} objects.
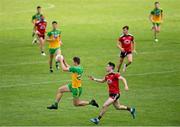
[
  {"x": 66, "y": 80},
  {"x": 49, "y": 6},
  {"x": 42, "y": 62}
]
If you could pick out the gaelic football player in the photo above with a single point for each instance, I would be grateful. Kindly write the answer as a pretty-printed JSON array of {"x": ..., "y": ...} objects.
[
  {"x": 75, "y": 87},
  {"x": 126, "y": 45},
  {"x": 156, "y": 17},
  {"x": 54, "y": 39},
  {"x": 112, "y": 80}
]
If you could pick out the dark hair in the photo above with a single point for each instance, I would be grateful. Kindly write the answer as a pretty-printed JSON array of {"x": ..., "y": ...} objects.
[
  {"x": 38, "y": 7},
  {"x": 76, "y": 59},
  {"x": 54, "y": 22},
  {"x": 126, "y": 27},
  {"x": 112, "y": 65},
  {"x": 156, "y": 2}
]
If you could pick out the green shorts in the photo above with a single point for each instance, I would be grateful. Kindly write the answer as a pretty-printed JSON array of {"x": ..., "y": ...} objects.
[
  {"x": 53, "y": 50},
  {"x": 156, "y": 24},
  {"x": 76, "y": 92}
]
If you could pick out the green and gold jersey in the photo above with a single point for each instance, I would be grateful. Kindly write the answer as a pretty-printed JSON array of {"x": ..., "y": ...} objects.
[
  {"x": 56, "y": 34},
  {"x": 77, "y": 72},
  {"x": 36, "y": 17},
  {"x": 157, "y": 15}
]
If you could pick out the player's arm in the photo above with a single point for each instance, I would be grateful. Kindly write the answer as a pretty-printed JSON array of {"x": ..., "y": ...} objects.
[
  {"x": 97, "y": 80},
  {"x": 124, "y": 82},
  {"x": 150, "y": 17},
  {"x": 134, "y": 46},
  {"x": 119, "y": 45},
  {"x": 64, "y": 65},
  {"x": 49, "y": 39}
]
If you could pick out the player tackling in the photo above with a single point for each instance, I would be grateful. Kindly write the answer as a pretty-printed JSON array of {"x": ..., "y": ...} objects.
[
  {"x": 112, "y": 80},
  {"x": 75, "y": 87},
  {"x": 126, "y": 45}
]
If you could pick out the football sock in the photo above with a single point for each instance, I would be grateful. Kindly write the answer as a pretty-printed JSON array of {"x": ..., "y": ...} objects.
[
  {"x": 128, "y": 108},
  {"x": 99, "y": 117}
]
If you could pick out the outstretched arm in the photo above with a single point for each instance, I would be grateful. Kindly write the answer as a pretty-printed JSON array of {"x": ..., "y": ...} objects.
[
  {"x": 97, "y": 80},
  {"x": 124, "y": 82},
  {"x": 65, "y": 67}
]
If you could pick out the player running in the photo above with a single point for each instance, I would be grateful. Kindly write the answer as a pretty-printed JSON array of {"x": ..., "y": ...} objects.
[
  {"x": 35, "y": 19},
  {"x": 156, "y": 17},
  {"x": 126, "y": 45},
  {"x": 75, "y": 87},
  {"x": 54, "y": 39},
  {"x": 112, "y": 80},
  {"x": 40, "y": 30}
]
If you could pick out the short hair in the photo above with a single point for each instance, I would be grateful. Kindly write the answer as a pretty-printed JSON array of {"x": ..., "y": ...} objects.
[
  {"x": 38, "y": 7},
  {"x": 126, "y": 27},
  {"x": 156, "y": 2},
  {"x": 112, "y": 65},
  {"x": 77, "y": 60},
  {"x": 54, "y": 22}
]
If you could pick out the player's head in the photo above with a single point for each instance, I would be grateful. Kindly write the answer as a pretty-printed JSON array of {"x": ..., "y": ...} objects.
[
  {"x": 156, "y": 4},
  {"x": 38, "y": 9},
  {"x": 76, "y": 61},
  {"x": 110, "y": 67},
  {"x": 54, "y": 24},
  {"x": 125, "y": 29}
]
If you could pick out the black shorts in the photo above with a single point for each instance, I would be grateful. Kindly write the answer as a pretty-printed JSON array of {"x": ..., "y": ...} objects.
[
  {"x": 124, "y": 54},
  {"x": 114, "y": 96}
]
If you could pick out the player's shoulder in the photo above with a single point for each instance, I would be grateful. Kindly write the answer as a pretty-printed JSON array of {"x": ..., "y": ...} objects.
[{"x": 130, "y": 35}]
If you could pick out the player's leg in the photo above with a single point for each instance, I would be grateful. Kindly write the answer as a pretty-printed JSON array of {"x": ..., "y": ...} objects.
[
  {"x": 122, "y": 55},
  {"x": 41, "y": 45},
  {"x": 34, "y": 36},
  {"x": 76, "y": 92},
  {"x": 59, "y": 95},
  {"x": 51, "y": 56},
  {"x": 57, "y": 53},
  {"x": 130, "y": 58},
  {"x": 118, "y": 106},
  {"x": 108, "y": 102}
]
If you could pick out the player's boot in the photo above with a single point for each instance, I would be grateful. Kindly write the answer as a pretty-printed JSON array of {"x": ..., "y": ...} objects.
[
  {"x": 51, "y": 70},
  {"x": 43, "y": 53},
  {"x": 133, "y": 112},
  {"x": 95, "y": 120},
  {"x": 34, "y": 41},
  {"x": 57, "y": 65},
  {"x": 124, "y": 68},
  {"x": 94, "y": 103},
  {"x": 156, "y": 40},
  {"x": 53, "y": 106}
]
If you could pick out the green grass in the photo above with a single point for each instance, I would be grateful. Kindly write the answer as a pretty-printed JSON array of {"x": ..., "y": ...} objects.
[{"x": 90, "y": 29}]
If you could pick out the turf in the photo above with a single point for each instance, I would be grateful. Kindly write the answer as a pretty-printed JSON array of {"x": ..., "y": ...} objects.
[{"x": 89, "y": 30}]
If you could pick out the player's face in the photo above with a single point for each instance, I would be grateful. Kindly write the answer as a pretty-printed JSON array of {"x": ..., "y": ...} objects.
[
  {"x": 75, "y": 64},
  {"x": 39, "y": 10},
  {"x": 108, "y": 68},
  {"x": 157, "y": 5},
  {"x": 54, "y": 25},
  {"x": 125, "y": 31}
]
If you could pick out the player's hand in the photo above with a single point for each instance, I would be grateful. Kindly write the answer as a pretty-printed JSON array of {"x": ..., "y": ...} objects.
[
  {"x": 122, "y": 50},
  {"x": 91, "y": 77},
  {"x": 126, "y": 88}
]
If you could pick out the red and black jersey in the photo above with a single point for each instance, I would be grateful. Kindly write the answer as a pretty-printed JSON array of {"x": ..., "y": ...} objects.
[
  {"x": 113, "y": 82},
  {"x": 126, "y": 42},
  {"x": 41, "y": 27}
]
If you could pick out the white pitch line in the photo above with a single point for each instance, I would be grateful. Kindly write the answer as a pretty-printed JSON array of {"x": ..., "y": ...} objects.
[
  {"x": 42, "y": 62},
  {"x": 49, "y": 6},
  {"x": 66, "y": 80}
]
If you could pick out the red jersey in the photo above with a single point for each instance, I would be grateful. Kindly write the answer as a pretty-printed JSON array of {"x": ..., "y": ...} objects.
[
  {"x": 41, "y": 27},
  {"x": 126, "y": 42},
  {"x": 113, "y": 82}
]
